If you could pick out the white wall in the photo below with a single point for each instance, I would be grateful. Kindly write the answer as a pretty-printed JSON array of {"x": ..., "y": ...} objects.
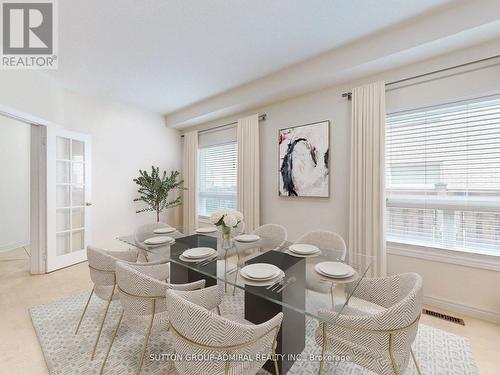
[
  {"x": 465, "y": 288},
  {"x": 124, "y": 140},
  {"x": 15, "y": 184}
]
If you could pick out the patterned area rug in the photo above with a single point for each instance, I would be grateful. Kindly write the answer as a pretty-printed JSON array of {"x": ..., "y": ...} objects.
[{"x": 438, "y": 352}]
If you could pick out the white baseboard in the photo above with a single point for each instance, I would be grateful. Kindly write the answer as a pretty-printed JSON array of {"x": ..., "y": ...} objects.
[
  {"x": 13, "y": 246},
  {"x": 462, "y": 309}
]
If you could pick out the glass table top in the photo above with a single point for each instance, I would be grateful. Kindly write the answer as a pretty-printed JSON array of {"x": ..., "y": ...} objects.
[{"x": 302, "y": 288}]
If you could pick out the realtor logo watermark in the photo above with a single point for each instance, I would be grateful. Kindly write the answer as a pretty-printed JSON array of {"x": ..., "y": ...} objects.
[{"x": 29, "y": 34}]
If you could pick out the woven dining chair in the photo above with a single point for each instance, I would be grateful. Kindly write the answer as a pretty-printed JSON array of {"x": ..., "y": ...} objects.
[
  {"x": 333, "y": 248},
  {"x": 331, "y": 244},
  {"x": 380, "y": 341},
  {"x": 142, "y": 289},
  {"x": 272, "y": 236},
  {"x": 102, "y": 273},
  {"x": 147, "y": 230},
  {"x": 196, "y": 331}
]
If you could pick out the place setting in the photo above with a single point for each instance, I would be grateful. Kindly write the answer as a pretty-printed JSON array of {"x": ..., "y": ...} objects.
[
  {"x": 247, "y": 238},
  {"x": 303, "y": 250},
  {"x": 206, "y": 230},
  {"x": 335, "y": 271},
  {"x": 200, "y": 255},
  {"x": 159, "y": 240},
  {"x": 261, "y": 274},
  {"x": 164, "y": 230}
]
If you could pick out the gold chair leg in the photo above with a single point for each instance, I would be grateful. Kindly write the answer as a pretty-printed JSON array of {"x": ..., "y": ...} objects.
[
  {"x": 169, "y": 366},
  {"x": 323, "y": 349},
  {"x": 391, "y": 354},
  {"x": 84, "y": 310},
  {"x": 235, "y": 280},
  {"x": 331, "y": 295},
  {"x": 276, "y": 369},
  {"x": 218, "y": 311},
  {"x": 415, "y": 361},
  {"x": 111, "y": 343},
  {"x": 237, "y": 271},
  {"x": 102, "y": 322},
  {"x": 146, "y": 339},
  {"x": 225, "y": 272}
]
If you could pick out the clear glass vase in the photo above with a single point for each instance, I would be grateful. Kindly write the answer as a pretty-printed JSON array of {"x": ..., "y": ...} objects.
[{"x": 227, "y": 241}]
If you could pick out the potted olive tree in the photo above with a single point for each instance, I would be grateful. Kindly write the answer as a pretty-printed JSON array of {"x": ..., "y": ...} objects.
[{"x": 154, "y": 189}]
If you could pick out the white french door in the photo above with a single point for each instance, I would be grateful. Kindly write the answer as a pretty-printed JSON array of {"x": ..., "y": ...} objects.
[{"x": 68, "y": 197}]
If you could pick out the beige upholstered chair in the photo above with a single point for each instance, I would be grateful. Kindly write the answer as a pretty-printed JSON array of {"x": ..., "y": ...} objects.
[
  {"x": 199, "y": 332},
  {"x": 333, "y": 247},
  {"x": 331, "y": 243},
  {"x": 102, "y": 273},
  {"x": 272, "y": 236},
  {"x": 147, "y": 230},
  {"x": 142, "y": 290},
  {"x": 380, "y": 341}
]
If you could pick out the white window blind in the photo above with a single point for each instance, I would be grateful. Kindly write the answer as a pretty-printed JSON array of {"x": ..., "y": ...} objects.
[
  {"x": 443, "y": 176},
  {"x": 217, "y": 178}
]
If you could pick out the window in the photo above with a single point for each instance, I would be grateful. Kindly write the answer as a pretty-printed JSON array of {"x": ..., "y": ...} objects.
[
  {"x": 217, "y": 177},
  {"x": 443, "y": 176}
]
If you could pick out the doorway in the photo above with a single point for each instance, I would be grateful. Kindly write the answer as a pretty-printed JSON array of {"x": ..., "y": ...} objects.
[
  {"x": 15, "y": 171},
  {"x": 44, "y": 194}
]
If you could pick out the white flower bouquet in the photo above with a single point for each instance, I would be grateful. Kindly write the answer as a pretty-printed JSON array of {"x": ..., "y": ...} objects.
[{"x": 226, "y": 219}]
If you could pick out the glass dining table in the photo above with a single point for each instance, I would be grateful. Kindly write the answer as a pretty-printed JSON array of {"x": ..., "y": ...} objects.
[{"x": 302, "y": 291}]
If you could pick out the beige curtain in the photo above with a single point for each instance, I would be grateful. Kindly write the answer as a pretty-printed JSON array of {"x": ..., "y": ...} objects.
[
  {"x": 367, "y": 187},
  {"x": 248, "y": 171},
  {"x": 189, "y": 172}
]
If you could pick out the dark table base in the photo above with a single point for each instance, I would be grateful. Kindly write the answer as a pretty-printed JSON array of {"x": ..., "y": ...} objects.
[{"x": 291, "y": 337}]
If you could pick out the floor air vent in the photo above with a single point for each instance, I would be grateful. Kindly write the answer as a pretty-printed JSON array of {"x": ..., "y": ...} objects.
[{"x": 449, "y": 318}]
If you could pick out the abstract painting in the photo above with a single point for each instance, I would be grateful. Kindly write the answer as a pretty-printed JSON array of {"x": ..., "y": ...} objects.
[{"x": 303, "y": 157}]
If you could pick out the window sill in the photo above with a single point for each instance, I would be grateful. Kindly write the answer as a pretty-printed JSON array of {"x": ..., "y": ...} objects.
[{"x": 487, "y": 262}]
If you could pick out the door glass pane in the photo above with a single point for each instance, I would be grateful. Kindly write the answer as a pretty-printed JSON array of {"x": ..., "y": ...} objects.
[
  {"x": 63, "y": 243},
  {"x": 70, "y": 195},
  {"x": 62, "y": 148},
  {"x": 62, "y": 196},
  {"x": 62, "y": 172},
  {"x": 78, "y": 195},
  {"x": 78, "y": 174},
  {"x": 78, "y": 218},
  {"x": 62, "y": 219},
  {"x": 77, "y": 151},
  {"x": 77, "y": 240}
]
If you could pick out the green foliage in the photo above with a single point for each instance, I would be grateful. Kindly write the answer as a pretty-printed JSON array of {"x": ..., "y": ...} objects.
[{"x": 155, "y": 188}]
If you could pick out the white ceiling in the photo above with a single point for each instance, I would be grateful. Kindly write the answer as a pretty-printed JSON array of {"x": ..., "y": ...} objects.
[{"x": 163, "y": 55}]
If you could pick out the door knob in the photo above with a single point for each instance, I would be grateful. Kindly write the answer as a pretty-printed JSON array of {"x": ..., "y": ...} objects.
[{"x": 88, "y": 203}]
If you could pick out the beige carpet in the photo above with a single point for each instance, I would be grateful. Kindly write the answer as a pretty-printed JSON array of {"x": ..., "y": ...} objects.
[{"x": 438, "y": 352}]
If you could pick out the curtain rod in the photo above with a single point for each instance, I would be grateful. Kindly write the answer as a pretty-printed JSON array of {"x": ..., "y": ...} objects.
[
  {"x": 262, "y": 117},
  {"x": 349, "y": 94}
]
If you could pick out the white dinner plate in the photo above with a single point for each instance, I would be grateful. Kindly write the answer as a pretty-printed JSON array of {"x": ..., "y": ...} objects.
[
  {"x": 198, "y": 252},
  {"x": 297, "y": 255},
  {"x": 303, "y": 249},
  {"x": 260, "y": 271},
  {"x": 195, "y": 260},
  {"x": 164, "y": 230},
  {"x": 158, "y": 240},
  {"x": 247, "y": 238},
  {"x": 334, "y": 269},
  {"x": 245, "y": 275},
  {"x": 251, "y": 282},
  {"x": 206, "y": 230}
]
